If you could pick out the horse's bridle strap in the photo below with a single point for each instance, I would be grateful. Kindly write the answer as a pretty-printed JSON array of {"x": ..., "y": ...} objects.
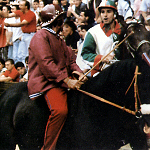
[{"x": 139, "y": 45}]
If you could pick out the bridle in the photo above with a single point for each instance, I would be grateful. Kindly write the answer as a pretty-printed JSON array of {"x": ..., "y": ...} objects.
[
  {"x": 140, "y": 43},
  {"x": 136, "y": 92}
]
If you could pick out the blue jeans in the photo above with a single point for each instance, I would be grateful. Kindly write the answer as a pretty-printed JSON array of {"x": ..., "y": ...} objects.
[
  {"x": 24, "y": 45},
  {"x": 10, "y": 52},
  {"x": 26, "y": 37}
]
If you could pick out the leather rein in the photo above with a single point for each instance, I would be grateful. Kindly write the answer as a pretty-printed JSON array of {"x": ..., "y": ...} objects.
[{"x": 136, "y": 96}]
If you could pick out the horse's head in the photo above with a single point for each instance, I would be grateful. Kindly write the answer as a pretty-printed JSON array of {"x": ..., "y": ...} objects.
[{"x": 138, "y": 42}]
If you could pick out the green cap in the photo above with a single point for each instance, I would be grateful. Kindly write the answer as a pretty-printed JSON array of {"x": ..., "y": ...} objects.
[{"x": 107, "y": 4}]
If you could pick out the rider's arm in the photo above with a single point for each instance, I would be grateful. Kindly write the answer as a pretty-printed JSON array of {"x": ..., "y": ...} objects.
[{"x": 89, "y": 48}]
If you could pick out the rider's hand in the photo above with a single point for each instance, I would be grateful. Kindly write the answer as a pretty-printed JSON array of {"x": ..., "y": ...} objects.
[
  {"x": 73, "y": 83},
  {"x": 79, "y": 76},
  {"x": 108, "y": 58}
]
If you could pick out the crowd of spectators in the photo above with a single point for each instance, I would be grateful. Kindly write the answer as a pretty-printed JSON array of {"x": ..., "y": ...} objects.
[{"x": 17, "y": 29}]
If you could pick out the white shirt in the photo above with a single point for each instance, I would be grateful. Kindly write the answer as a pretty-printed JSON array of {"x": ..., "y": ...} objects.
[
  {"x": 124, "y": 8},
  {"x": 17, "y": 32},
  {"x": 79, "y": 60},
  {"x": 137, "y": 4},
  {"x": 145, "y": 6},
  {"x": 3, "y": 70}
]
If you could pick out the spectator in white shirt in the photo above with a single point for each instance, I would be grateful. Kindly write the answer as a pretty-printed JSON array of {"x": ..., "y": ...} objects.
[
  {"x": 16, "y": 33},
  {"x": 125, "y": 8},
  {"x": 145, "y": 9}
]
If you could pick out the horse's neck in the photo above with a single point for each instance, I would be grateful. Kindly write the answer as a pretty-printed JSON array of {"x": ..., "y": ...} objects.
[{"x": 119, "y": 72}]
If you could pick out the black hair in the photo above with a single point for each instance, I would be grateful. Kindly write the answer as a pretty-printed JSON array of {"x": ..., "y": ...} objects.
[
  {"x": 2, "y": 61},
  {"x": 8, "y": 7},
  {"x": 27, "y": 3},
  {"x": 19, "y": 64},
  {"x": 11, "y": 61},
  {"x": 27, "y": 58},
  {"x": 83, "y": 27},
  {"x": 36, "y": 1},
  {"x": 87, "y": 13},
  {"x": 47, "y": 2},
  {"x": 17, "y": 6},
  {"x": 71, "y": 24}
]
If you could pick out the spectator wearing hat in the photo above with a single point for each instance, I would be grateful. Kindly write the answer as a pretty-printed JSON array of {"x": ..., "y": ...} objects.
[
  {"x": 50, "y": 64},
  {"x": 70, "y": 34},
  {"x": 100, "y": 38},
  {"x": 27, "y": 23}
]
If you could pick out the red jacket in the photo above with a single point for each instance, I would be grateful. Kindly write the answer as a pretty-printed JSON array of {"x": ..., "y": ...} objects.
[{"x": 50, "y": 62}]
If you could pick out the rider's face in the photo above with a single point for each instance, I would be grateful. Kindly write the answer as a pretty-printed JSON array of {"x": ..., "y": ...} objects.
[{"x": 107, "y": 15}]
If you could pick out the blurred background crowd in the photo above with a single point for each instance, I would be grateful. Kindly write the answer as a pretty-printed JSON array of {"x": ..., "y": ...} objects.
[{"x": 80, "y": 16}]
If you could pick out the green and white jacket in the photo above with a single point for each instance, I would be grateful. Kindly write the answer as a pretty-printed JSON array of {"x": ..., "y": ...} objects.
[{"x": 97, "y": 42}]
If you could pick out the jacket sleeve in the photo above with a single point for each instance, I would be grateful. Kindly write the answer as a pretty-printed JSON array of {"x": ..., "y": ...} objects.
[{"x": 89, "y": 48}]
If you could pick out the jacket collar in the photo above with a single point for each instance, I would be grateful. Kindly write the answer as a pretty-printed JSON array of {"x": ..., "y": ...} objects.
[
  {"x": 117, "y": 29},
  {"x": 50, "y": 30}
]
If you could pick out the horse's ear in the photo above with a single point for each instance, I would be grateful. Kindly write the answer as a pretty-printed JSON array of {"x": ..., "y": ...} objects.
[{"x": 120, "y": 20}]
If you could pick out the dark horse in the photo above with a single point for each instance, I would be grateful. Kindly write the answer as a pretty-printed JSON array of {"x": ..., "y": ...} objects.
[{"x": 91, "y": 124}]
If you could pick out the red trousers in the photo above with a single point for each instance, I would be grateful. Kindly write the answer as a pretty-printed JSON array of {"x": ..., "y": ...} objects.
[{"x": 56, "y": 99}]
